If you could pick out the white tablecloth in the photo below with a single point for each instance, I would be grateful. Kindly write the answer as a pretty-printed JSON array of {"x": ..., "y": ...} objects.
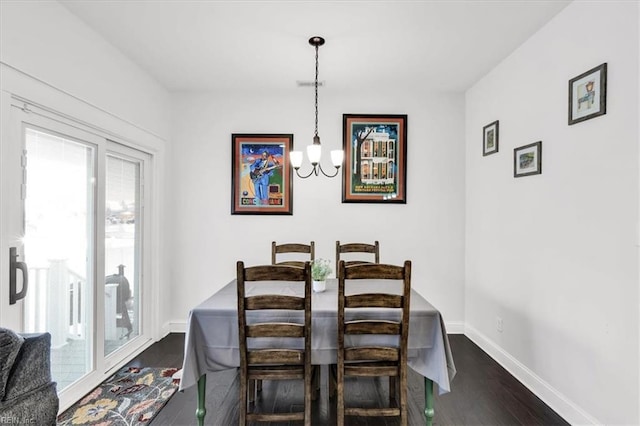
[{"x": 212, "y": 331}]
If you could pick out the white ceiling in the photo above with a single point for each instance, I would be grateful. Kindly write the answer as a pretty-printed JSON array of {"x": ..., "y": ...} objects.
[{"x": 263, "y": 45}]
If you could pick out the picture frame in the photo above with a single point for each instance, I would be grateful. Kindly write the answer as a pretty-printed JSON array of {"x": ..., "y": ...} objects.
[
  {"x": 261, "y": 174},
  {"x": 375, "y": 158},
  {"x": 490, "y": 138},
  {"x": 527, "y": 160},
  {"x": 588, "y": 95}
]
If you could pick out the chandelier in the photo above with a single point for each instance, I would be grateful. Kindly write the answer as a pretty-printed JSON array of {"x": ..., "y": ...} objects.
[{"x": 314, "y": 151}]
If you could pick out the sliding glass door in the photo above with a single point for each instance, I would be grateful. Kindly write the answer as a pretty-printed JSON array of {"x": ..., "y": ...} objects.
[{"x": 74, "y": 213}]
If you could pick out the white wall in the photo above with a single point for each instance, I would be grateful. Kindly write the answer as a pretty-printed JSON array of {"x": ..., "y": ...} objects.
[
  {"x": 50, "y": 57},
  {"x": 555, "y": 255},
  {"x": 208, "y": 240}
]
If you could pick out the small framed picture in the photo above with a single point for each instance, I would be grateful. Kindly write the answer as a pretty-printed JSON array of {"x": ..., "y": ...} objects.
[
  {"x": 588, "y": 95},
  {"x": 490, "y": 138},
  {"x": 261, "y": 176},
  {"x": 527, "y": 160}
]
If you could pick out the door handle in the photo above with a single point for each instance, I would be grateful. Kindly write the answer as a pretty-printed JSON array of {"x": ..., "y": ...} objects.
[{"x": 14, "y": 265}]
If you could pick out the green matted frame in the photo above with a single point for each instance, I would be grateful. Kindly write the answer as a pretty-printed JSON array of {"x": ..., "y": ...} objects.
[{"x": 375, "y": 158}]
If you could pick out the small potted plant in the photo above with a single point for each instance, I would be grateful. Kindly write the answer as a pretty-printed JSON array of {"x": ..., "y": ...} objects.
[{"x": 320, "y": 270}]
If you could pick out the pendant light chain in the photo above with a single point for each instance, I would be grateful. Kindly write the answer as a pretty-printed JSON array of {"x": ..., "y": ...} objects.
[
  {"x": 316, "y": 85},
  {"x": 314, "y": 150}
]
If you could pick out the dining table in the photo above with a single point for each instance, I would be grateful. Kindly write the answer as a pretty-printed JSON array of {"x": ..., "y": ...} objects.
[{"x": 211, "y": 339}]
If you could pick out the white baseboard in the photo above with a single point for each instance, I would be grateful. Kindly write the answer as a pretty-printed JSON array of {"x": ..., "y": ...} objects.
[
  {"x": 566, "y": 408},
  {"x": 174, "y": 327},
  {"x": 164, "y": 330},
  {"x": 455, "y": 327}
]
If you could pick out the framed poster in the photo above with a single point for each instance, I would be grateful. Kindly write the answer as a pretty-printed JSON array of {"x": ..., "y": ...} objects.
[
  {"x": 490, "y": 138},
  {"x": 527, "y": 160},
  {"x": 588, "y": 94},
  {"x": 375, "y": 158},
  {"x": 261, "y": 178}
]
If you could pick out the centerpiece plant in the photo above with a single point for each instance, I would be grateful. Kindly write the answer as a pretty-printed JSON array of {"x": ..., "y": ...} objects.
[{"x": 320, "y": 269}]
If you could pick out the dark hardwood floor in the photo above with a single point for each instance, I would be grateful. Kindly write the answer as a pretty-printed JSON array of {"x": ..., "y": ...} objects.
[{"x": 482, "y": 393}]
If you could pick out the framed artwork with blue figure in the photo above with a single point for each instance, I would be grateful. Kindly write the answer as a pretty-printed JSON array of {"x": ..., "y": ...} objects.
[
  {"x": 375, "y": 158},
  {"x": 261, "y": 174}
]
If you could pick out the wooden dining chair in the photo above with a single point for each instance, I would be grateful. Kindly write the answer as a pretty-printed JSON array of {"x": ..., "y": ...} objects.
[
  {"x": 358, "y": 359},
  {"x": 363, "y": 253},
  {"x": 281, "y": 360},
  {"x": 365, "y": 248},
  {"x": 292, "y": 248}
]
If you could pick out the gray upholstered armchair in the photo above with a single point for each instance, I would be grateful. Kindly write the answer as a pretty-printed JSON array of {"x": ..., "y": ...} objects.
[{"x": 27, "y": 394}]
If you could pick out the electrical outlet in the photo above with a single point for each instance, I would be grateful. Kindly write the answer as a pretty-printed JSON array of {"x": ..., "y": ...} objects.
[{"x": 499, "y": 324}]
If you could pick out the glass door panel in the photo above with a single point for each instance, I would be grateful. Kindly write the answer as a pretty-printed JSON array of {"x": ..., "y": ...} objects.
[
  {"x": 122, "y": 252},
  {"x": 58, "y": 247}
]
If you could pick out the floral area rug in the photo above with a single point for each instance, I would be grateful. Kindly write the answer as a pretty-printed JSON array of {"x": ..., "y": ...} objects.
[{"x": 132, "y": 396}]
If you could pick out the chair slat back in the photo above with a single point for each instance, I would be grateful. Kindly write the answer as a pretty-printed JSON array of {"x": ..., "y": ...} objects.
[
  {"x": 273, "y": 273},
  {"x": 373, "y": 300},
  {"x": 273, "y": 301},
  {"x": 289, "y": 248},
  {"x": 381, "y": 353},
  {"x": 372, "y": 327},
  {"x": 281, "y": 356},
  {"x": 365, "y": 248},
  {"x": 275, "y": 330}
]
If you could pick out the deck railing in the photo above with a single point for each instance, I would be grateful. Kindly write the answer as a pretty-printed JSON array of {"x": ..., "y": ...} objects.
[{"x": 54, "y": 303}]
